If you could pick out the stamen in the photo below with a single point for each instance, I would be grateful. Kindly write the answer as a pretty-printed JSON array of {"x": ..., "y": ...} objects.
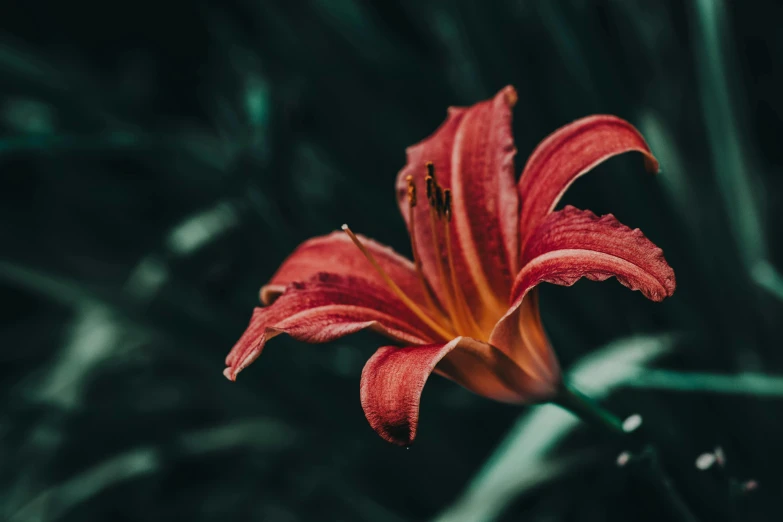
[
  {"x": 434, "y": 191},
  {"x": 439, "y": 200},
  {"x": 430, "y": 183},
  {"x": 411, "y": 192},
  {"x": 430, "y": 169},
  {"x": 396, "y": 289},
  {"x": 435, "y": 199},
  {"x": 416, "y": 259},
  {"x": 462, "y": 307},
  {"x": 447, "y": 204}
]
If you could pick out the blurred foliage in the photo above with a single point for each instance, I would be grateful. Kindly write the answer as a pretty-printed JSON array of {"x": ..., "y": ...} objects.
[{"x": 159, "y": 159}]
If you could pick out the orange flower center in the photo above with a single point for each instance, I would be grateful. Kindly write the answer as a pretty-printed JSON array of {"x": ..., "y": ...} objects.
[{"x": 454, "y": 317}]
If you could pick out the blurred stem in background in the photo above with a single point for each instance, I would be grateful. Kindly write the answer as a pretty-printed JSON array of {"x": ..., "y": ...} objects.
[
  {"x": 725, "y": 137},
  {"x": 755, "y": 384}
]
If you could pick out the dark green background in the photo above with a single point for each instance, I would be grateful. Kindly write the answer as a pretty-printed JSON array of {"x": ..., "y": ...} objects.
[{"x": 158, "y": 160}]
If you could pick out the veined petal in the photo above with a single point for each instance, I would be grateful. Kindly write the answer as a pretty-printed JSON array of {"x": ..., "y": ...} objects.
[
  {"x": 325, "y": 308},
  {"x": 473, "y": 155},
  {"x": 574, "y": 243},
  {"x": 394, "y": 377},
  {"x": 489, "y": 372},
  {"x": 524, "y": 340},
  {"x": 571, "y": 244},
  {"x": 335, "y": 253},
  {"x": 392, "y": 382},
  {"x": 567, "y": 154},
  {"x": 486, "y": 206}
]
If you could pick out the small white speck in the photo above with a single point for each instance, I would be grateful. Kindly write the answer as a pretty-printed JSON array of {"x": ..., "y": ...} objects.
[
  {"x": 623, "y": 458},
  {"x": 705, "y": 461},
  {"x": 632, "y": 423}
]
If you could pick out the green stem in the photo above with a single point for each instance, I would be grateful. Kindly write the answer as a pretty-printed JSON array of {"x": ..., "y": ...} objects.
[
  {"x": 588, "y": 410},
  {"x": 593, "y": 413}
]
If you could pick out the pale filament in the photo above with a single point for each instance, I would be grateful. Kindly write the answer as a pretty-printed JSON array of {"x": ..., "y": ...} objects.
[{"x": 396, "y": 289}]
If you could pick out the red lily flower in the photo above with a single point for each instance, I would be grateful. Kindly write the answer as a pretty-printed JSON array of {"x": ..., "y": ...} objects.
[{"x": 465, "y": 307}]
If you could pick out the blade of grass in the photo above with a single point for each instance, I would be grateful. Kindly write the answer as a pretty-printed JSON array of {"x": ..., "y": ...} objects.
[{"x": 729, "y": 159}]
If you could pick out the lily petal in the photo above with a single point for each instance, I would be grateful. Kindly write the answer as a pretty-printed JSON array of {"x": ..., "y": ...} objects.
[
  {"x": 571, "y": 244},
  {"x": 335, "y": 253},
  {"x": 526, "y": 343},
  {"x": 567, "y": 154},
  {"x": 473, "y": 154},
  {"x": 574, "y": 243},
  {"x": 325, "y": 308},
  {"x": 394, "y": 377}
]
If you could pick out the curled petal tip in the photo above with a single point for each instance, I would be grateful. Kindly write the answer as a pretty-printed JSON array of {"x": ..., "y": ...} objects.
[
  {"x": 230, "y": 374},
  {"x": 670, "y": 285},
  {"x": 403, "y": 437},
  {"x": 269, "y": 293},
  {"x": 570, "y": 152}
]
